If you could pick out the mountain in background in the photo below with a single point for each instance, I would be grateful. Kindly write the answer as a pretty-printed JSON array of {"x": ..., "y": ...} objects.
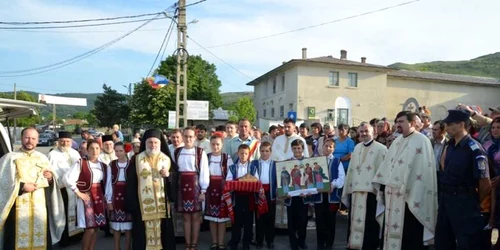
[{"x": 486, "y": 66}]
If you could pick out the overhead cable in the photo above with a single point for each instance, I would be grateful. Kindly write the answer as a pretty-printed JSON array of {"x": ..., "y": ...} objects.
[
  {"x": 163, "y": 47},
  {"x": 81, "y": 20},
  {"x": 79, "y": 26}
]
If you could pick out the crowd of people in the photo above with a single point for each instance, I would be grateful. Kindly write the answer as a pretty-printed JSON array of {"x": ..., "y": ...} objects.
[{"x": 407, "y": 183}]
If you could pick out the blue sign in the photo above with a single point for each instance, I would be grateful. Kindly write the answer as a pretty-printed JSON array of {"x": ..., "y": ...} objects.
[{"x": 292, "y": 115}]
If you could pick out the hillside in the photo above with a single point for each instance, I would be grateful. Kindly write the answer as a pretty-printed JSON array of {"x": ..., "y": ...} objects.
[
  {"x": 486, "y": 66},
  {"x": 228, "y": 99}
]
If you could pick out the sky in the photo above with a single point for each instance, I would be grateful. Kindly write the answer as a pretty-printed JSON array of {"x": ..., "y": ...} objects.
[{"x": 421, "y": 31}]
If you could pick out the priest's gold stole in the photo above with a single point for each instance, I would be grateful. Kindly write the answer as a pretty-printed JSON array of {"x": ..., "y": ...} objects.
[{"x": 30, "y": 170}]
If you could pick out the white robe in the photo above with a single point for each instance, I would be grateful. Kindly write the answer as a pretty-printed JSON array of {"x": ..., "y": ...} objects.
[
  {"x": 107, "y": 158},
  {"x": 365, "y": 162},
  {"x": 282, "y": 147},
  {"x": 71, "y": 177},
  {"x": 409, "y": 175}
]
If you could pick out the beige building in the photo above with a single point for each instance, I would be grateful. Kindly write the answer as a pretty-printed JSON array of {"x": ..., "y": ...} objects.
[{"x": 343, "y": 91}]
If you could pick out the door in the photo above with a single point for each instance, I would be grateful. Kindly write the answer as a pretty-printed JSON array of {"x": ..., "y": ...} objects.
[{"x": 342, "y": 116}]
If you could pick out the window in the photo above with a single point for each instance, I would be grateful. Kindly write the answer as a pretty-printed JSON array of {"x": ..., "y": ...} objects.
[
  {"x": 330, "y": 115},
  {"x": 283, "y": 82},
  {"x": 282, "y": 111},
  {"x": 274, "y": 86},
  {"x": 334, "y": 78},
  {"x": 290, "y": 106},
  {"x": 353, "y": 80},
  {"x": 264, "y": 113},
  {"x": 264, "y": 89},
  {"x": 272, "y": 112}
]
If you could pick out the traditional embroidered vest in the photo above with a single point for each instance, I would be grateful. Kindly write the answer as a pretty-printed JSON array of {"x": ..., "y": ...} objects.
[
  {"x": 224, "y": 158},
  {"x": 84, "y": 182},
  {"x": 273, "y": 181},
  {"x": 336, "y": 195},
  {"x": 115, "y": 171},
  {"x": 252, "y": 168},
  {"x": 197, "y": 162}
]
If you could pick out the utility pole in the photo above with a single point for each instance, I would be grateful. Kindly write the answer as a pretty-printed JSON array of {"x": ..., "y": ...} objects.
[
  {"x": 182, "y": 56},
  {"x": 15, "y": 122}
]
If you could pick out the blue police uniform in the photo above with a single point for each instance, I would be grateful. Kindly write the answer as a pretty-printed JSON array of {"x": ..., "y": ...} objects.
[{"x": 460, "y": 224}]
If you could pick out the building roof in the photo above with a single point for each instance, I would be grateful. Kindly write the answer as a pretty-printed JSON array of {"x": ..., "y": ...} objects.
[
  {"x": 322, "y": 59},
  {"x": 443, "y": 77}
]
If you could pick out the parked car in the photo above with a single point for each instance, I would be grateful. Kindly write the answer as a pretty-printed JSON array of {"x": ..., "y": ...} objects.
[
  {"x": 95, "y": 133},
  {"x": 52, "y": 134},
  {"x": 10, "y": 109},
  {"x": 46, "y": 139}
]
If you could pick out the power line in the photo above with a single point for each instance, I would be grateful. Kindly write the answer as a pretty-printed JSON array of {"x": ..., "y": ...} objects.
[
  {"x": 165, "y": 41},
  {"x": 80, "y": 31},
  {"x": 195, "y": 3},
  {"x": 314, "y": 26},
  {"x": 79, "y": 26},
  {"x": 82, "y": 20},
  {"x": 231, "y": 66},
  {"x": 72, "y": 60}
]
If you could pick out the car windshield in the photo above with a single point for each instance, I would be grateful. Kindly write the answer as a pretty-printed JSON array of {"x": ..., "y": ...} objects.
[{"x": 45, "y": 136}]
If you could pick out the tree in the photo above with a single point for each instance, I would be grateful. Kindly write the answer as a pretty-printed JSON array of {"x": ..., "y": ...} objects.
[
  {"x": 244, "y": 108},
  {"x": 110, "y": 108},
  {"x": 91, "y": 119},
  {"x": 23, "y": 96},
  {"x": 150, "y": 106},
  {"x": 80, "y": 115}
]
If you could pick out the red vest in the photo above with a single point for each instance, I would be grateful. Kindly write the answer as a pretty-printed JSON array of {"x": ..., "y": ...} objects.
[
  {"x": 198, "y": 152},
  {"x": 84, "y": 182},
  {"x": 115, "y": 170}
]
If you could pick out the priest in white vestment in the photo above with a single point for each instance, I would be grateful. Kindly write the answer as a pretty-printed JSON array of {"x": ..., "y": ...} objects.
[
  {"x": 61, "y": 160},
  {"x": 359, "y": 194},
  {"x": 282, "y": 149},
  {"x": 31, "y": 206},
  {"x": 407, "y": 188}
]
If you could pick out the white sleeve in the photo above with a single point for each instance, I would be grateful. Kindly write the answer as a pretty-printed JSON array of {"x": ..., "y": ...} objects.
[
  {"x": 306, "y": 151},
  {"x": 109, "y": 188},
  {"x": 204, "y": 173},
  {"x": 71, "y": 177},
  {"x": 229, "y": 161},
  {"x": 229, "y": 176},
  {"x": 341, "y": 178}
]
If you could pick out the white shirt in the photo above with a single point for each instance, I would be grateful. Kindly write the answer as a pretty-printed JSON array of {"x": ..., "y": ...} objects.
[
  {"x": 339, "y": 182},
  {"x": 107, "y": 158},
  {"x": 172, "y": 148},
  {"x": 187, "y": 161},
  {"x": 62, "y": 161},
  {"x": 241, "y": 170},
  {"x": 205, "y": 144},
  {"x": 264, "y": 171},
  {"x": 215, "y": 164},
  {"x": 282, "y": 152},
  {"x": 121, "y": 170},
  {"x": 71, "y": 177}
]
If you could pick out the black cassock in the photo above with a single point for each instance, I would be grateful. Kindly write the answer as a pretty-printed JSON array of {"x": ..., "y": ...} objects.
[
  {"x": 9, "y": 240},
  {"x": 133, "y": 207}
]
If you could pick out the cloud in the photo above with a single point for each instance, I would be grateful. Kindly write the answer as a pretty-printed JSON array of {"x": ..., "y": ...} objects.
[{"x": 421, "y": 31}]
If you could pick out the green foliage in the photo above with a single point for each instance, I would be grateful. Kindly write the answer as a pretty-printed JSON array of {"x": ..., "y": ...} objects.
[
  {"x": 150, "y": 106},
  {"x": 79, "y": 115},
  {"x": 110, "y": 108},
  {"x": 229, "y": 99},
  {"x": 91, "y": 119},
  {"x": 244, "y": 108},
  {"x": 23, "y": 96},
  {"x": 486, "y": 66}
]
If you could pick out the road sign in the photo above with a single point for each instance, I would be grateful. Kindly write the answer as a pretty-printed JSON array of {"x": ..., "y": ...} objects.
[
  {"x": 292, "y": 115},
  {"x": 172, "y": 118},
  {"x": 197, "y": 110},
  {"x": 311, "y": 112}
]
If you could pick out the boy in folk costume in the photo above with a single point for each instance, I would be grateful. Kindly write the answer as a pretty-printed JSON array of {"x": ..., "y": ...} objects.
[
  {"x": 194, "y": 177},
  {"x": 326, "y": 205},
  {"x": 120, "y": 221},
  {"x": 244, "y": 202},
  {"x": 266, "y": 169},
  {"x": 215, "y": 211},
  {"x": 297, "y": 207}
]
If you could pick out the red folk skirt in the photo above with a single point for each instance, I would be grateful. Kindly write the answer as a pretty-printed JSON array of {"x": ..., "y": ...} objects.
[
  {"x": 189, "y": 192},
  {"x": 118, "y": 214},
  {"x": 95, "y": 215},
  {"x": 215, "y": 206}
]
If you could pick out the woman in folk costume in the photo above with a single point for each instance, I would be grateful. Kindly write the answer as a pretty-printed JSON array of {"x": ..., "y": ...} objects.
[
  {"x": 326, "y": 205},
  {"x": 90, "y": 179},
  {"x": 215, "y": 207},
  {"x": 120, "y": 221}
]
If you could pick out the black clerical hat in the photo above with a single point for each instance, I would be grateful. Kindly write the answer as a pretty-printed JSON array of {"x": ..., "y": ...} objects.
[
  {"x": 152, "y": 133},
  {"x": 106, "y": 138},
  {"x": 64, "y": 134}
]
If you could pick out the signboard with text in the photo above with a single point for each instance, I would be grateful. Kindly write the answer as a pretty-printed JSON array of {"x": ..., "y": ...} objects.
[
  {"x": 172, "y": 119},
  {"x": 197, "y": 110},
  {"x": 59, "y": 100}
]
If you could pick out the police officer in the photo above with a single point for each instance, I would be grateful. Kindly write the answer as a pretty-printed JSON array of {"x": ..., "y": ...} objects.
[{"x": 464, "y": 183}]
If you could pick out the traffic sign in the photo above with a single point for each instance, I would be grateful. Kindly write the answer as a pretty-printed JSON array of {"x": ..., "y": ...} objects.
[{"x": 292, "y": 115}]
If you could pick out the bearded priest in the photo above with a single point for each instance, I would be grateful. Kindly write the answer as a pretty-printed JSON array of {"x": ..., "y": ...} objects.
[
  {"x": 31, "y": 206},
  {"x": 150, "y": 192}
]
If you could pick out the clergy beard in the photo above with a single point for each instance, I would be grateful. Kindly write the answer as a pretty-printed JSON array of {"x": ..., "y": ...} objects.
[
  {"x": 153, "y": 151},
  {"x": 64, "y": 149}
]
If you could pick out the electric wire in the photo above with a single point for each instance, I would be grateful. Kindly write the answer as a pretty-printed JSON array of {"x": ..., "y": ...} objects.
[
  {"x": 81, "y": 20},
  {"x": 54, "y": 66},
  {"x": 163, "y": 44},
  {"x": 79, "y": 26},
  {"x": 195, "y": 3}
]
